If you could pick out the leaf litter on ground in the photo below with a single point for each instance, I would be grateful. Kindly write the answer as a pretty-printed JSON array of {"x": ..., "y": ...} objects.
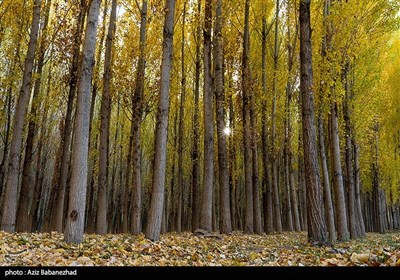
[{"x": 186, "y": 249}]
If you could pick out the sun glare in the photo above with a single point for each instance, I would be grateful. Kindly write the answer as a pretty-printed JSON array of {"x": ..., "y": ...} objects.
[{"x": 227, "y": 131}]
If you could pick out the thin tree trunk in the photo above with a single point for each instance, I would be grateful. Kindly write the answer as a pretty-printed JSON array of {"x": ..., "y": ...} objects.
[
  {"x": 267, "y": 195},
  {"x": 329, "y": 212},
  {"x": 7, "y": 128},
  {"x": 315, "y": 218},
  {"x": 301, "y": 180},
  {"x": 232, "y": 166},
  {"x": 105, "y": 112},
  {"x": 208, "y": 173},
  {"x": 136, "y": 225},
  {"x": 160, "y": 155},
  {"x": 349, "y": 160},
  {"x": 255, "y": 177},
  {"x": 295, "y": 204},
  {"x": 11, "y": 191},
  {"x": 78, "y": 183},
  {"x": 274, "y": 157},
  {"x": 196, "y": 137},
  {"x": 247, "y": 161},
  {"x": 357, "y": 188},
  {"x": 173, "y": 189},
  {"x": 181, "y": 127},
  {"x": 225, "y": 218},
  {"x": 35, "y": 218}
]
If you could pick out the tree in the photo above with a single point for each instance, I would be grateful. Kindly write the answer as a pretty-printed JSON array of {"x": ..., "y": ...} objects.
[
  {"x": 249, "y": 214},
  {"x": 105, "y": 112},
  {"x": 23, "y": 205},
  {"x": 267, "y": 195},
  {"x": 225, "y": 218},
  {"x": 61, "y": 170},
  {"x": 208, "y": 174},
  {"x": 329, "y": 213},
  {"x": 315, "y": 218},
  {"x": 274, "y": 157},
  {"x": 196, "y": 136},
  {"x": 11, "y": 191},
  {"x": 158, "y": 181},
  {"x": 136, "y": 225},
  {"x": 77, "y": 196},
  {"x": 181, "y": 126}
]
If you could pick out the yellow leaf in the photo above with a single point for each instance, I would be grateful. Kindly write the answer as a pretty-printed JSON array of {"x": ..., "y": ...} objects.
[{"x": 359, "y": 258}]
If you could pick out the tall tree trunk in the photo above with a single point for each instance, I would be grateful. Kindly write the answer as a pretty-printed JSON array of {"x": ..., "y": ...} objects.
[
  {"x": 208, "y": 174},
  {"x": 77, "y": 196},
  {"x": 196, "y": 137},
  {"x": 92, "y": 190},
  {"x": 232, "y": 165},
  {"x": 255, "y": 177},
  {"x": 7, "y": 128},
  {"x": 291, "y": 48},
  {"x": 267, "y": 195},
  {"x": 173, "y": 189},
  {"x": 341, "y": 215},
  {"x": 96, "y": 73},
  {"x": 225, "y": 218},
  {"x": 349, "y": 158},
  {"x": 36, "y": 218},
  {"x": 157, "y": 196},
  {"x": 105, "y": 112},
  {"x": 274, "y": 157},
  {"x": 247, "y": 161},
  {"x": 61, "y": 173},
  {"x": 136, "y": 225},
  {"x": 11, "y": 191},
  {"x": 23, "y": 205},
  {"x": 329, "y": 213},
  {"x": 126, "y": 185},
  {"x": 315, "y": 218},
  {"x": 181, "y": 127}
]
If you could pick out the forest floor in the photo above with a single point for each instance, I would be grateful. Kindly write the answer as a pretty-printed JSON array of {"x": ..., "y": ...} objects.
[{"x": 287, "y": 249}]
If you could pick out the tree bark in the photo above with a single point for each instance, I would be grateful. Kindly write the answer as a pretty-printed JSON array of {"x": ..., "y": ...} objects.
[
  {"x": 341, "y": 216},
  {"x": 255, "y": 177},
  {"x": 349, "y": 160},
  {"x": 208, "y": 173},
  {"x": 247, "y": 161},
  {"x": 315, "y": 218},
  {"x": 77, "y": 196},
  {"x": 326, "y": 184},
  {"x": 274, "y": 157},
  {"x": 136, "y": 225},
  {"x": 267, "y": 195},
  {"x": 157, "y": 196},
  {"x": 225, "y": 213},
  {"x": 105, "y": 112},
  {"x": 196, "y": 137},
  {"x": 357, "y": 189},
  {"x": 181, "y": 127}
]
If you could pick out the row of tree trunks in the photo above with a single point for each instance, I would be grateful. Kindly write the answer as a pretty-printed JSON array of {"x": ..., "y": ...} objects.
[{"x": 13, "y": 169}]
